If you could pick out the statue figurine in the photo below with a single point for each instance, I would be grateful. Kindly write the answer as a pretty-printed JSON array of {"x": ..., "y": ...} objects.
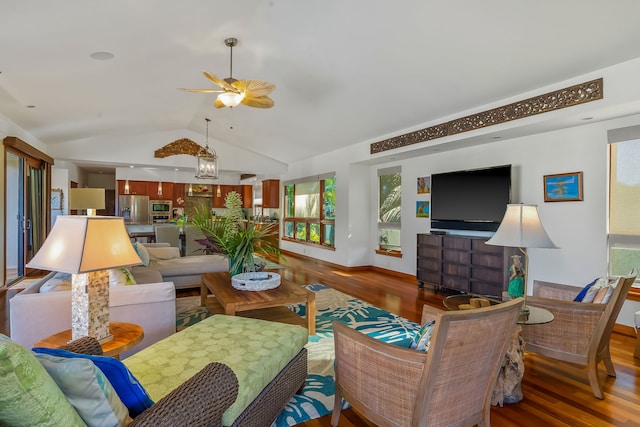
[{"x": 516, "y": 277}]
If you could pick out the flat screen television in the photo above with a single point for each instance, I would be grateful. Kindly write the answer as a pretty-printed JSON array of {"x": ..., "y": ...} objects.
[{"x": 470, "y": 199}]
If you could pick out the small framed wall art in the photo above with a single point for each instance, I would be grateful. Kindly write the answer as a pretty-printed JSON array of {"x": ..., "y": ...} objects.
[
  {"x": 422, "y": 209},
  {"x": 56, "y": 199},
  {"x": 424, "y": 185},
  {"x": 563, "y": 187}
]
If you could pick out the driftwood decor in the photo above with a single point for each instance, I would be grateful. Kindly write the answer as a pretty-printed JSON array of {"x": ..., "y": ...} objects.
[
  {"x": 179, "y": 146},
  {"x": 556, "y": 100}
]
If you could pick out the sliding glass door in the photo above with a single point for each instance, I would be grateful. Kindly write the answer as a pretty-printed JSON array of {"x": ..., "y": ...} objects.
[{"x": 27, "y": 189}]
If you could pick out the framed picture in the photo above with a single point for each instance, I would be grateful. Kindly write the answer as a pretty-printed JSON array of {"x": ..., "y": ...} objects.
[
  {"x": 56, "y": 199},
  {"x": 422, "y": 209},
  {"x": 563, "y": 187},
  {"x": 424, "y": 185}
]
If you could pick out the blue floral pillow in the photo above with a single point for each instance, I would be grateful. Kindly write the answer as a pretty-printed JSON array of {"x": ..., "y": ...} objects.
[{"x": 422, "y": 339}]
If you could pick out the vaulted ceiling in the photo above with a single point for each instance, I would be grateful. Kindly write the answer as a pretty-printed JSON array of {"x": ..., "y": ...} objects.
[{"x": 345, "y": 71}]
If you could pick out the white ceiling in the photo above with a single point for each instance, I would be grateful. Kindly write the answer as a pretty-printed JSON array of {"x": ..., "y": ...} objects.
[{"x": 345, "y": 71}]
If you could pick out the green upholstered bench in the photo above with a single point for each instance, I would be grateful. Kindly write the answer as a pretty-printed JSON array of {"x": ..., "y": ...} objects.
[{"x": 268, "y": 359}]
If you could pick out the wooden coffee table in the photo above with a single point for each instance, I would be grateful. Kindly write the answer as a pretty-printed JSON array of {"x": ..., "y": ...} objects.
[{"x": 266, "y": 305}]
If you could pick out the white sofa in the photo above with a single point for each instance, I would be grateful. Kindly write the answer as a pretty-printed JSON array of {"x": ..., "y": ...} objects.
[
  {"x": 35, "y": 315},
  {"x": 185, "y": 271}
]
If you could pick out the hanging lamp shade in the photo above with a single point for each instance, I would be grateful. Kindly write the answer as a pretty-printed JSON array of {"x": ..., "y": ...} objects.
[{"x": 207, "y": 167}]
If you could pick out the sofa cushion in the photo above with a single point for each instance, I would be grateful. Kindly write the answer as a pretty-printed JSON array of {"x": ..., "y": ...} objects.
[
  {"x": 584, "y": 291},
  {"x": 131, "y": 392},
  {"x": 197, "y": 264},
  {"x": 28, "y": 395},
  {"x": 87, "y": 389},
  {"x": 256, "y": 350},
  {"x": 156, "y": 254}
]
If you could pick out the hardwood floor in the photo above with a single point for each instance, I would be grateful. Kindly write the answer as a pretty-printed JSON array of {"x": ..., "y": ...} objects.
[{"x": 555, "y": 393}]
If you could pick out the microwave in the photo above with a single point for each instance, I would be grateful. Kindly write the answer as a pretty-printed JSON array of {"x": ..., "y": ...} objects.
[{"x": 162, "y": 207}]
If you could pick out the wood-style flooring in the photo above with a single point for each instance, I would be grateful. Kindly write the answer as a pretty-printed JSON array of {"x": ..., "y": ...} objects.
[{"x": 555, "y": 393}]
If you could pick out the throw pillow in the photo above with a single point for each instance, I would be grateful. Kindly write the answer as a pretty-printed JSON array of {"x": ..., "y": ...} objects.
[
  {"x": 28, "y": 395},
  {"x": 121, "y": 277},
  {"x": 584, "y": 291},
  {"x": 593, "y": 290},
  {"x": 142, "y": 252},
  {"x": 422, "y": 339},
  {"x": 131, "y": 392},
  {"x": 161, "y": 253},
  {"x": 59, "y": 282},
  {"x": 87, "y": 389}
]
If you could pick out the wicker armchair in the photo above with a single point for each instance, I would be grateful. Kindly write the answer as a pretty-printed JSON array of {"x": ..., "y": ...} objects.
[
  {"x": 199, "y": 401},
  {"x": 580, "y": 332},
  {"x": 449, "y": 385}
]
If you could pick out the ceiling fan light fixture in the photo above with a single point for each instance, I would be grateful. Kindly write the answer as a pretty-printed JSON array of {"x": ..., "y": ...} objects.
[
  {"x": 207, "y": 167},
  {"x": 231, "y": 99}
]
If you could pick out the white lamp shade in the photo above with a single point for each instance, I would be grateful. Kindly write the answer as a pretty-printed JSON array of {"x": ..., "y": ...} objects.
[
  {"x": 86, "y": 198},
  {"x": 521, "y": 228},
  {"x": 231, "y": 99},
  {"x": 81, "y": 244}
]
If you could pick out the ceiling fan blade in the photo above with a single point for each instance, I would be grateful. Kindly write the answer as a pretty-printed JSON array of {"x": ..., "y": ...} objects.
[
  {"x": 201, "y": 90},
  {"x": 258, "y": 102},
  {"x": 256, "y": 88},
  {"x": 219, "y": 82},
  {"x": 218, "y": 104}
]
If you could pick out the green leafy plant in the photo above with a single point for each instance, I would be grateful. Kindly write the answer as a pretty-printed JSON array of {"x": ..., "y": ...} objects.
[{"x": 235, "y": 238}]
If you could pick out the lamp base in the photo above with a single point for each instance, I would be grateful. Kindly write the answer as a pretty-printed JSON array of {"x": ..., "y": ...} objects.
[
  {"x": 524, "y": 314},
  {"x": 106, "y": 339},
  {"x": 90, "y": 305}
]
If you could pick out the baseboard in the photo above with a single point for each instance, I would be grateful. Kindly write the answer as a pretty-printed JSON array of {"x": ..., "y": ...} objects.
[{"x": 624, "y": 330}]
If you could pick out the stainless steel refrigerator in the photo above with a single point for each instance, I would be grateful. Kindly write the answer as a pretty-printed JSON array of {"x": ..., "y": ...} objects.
[{"x": 134, "y": 209}]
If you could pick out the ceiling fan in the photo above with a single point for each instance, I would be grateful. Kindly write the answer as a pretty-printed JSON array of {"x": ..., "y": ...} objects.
[{"x": 252, "y": 93}]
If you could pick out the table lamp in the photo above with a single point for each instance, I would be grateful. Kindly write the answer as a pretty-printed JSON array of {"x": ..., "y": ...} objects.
[
  {"x": 521, "y": 228},
  {"x": 90, "y": 199},
  {"x": 87, "y": 247}
]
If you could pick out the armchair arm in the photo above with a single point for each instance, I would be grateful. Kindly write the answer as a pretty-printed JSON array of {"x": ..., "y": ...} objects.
[
  {"x": 199, "y": 401},
  {"x": 430, "y": 313},
  {"x": 84, "y": 345},
  {"x": 370, "y": 370},
  {"x": 572, "y": 328}
]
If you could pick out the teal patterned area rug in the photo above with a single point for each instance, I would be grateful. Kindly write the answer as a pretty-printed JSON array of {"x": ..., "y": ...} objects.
[{"x": 317, "y": 396}]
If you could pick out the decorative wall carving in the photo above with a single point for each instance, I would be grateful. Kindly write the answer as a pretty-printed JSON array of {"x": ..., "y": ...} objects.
[
  {"x": 179, "y": 146},
  {"x": 556, "y": 100}
]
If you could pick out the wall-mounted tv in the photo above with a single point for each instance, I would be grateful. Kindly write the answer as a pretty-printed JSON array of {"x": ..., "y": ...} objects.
[{"x": 470, "y": 199}]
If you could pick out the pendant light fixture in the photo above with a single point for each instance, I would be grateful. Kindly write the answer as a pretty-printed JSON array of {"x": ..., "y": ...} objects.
[{"x": 207, "y": 167}]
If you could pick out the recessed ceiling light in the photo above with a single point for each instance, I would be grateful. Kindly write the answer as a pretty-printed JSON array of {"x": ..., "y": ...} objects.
[
  {"x": 31, "y": 106},
  {"x": 495, "y": 137},
  {"x": 586, "y": 118},
  {"x": 131, "y": 166},
  {"x": 102, "y": 56}
]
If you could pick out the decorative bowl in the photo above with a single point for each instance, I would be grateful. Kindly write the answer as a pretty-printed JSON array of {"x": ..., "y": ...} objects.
[{"x": 255, "y": 281}]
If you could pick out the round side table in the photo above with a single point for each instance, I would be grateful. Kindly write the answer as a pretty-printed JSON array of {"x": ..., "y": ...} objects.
[{"x": 125, "y": 337}]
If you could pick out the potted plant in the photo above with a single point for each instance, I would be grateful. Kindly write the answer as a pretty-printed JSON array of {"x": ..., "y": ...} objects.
[{"x": 234, "y": 237}]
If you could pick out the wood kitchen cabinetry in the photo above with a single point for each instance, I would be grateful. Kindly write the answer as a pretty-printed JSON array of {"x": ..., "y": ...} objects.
[
  {"x": 271, "y": 193},
  {"x": 178, "y": 195},
  {"x": 463, "y": 263},
  {"x": 167, "y": 190},
  {"x": 245, "y": 191},
  {"x": 137, "y": 188}
]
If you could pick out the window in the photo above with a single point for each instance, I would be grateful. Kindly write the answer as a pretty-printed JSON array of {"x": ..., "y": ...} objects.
[
  {"x": 624, "y": 207},
  {"x": 389, "y": 211},
  {"x": 310, "y": 209}
]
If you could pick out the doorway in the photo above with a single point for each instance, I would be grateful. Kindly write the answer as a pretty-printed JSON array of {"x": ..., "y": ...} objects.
[{"x": 27, "y": 213}]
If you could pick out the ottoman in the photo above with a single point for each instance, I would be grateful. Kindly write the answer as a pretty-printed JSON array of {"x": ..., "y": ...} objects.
[{"x": 268, "y": 359}]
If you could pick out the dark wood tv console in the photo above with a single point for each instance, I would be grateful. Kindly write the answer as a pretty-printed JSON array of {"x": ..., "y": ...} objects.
[{"x": 463, "y": 263}]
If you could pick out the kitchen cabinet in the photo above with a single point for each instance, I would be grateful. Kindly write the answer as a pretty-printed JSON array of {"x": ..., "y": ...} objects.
[
  {"x": 271, "y": 193},
  {"x": 247, "y": 196},
  {"x": 138, "y": 188},
  {"x": 245, "y": 191},
  {"x": 178, "y": 195},
  {"x": 463, "y": 263},
  {"x": 152, "y": 190}
]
